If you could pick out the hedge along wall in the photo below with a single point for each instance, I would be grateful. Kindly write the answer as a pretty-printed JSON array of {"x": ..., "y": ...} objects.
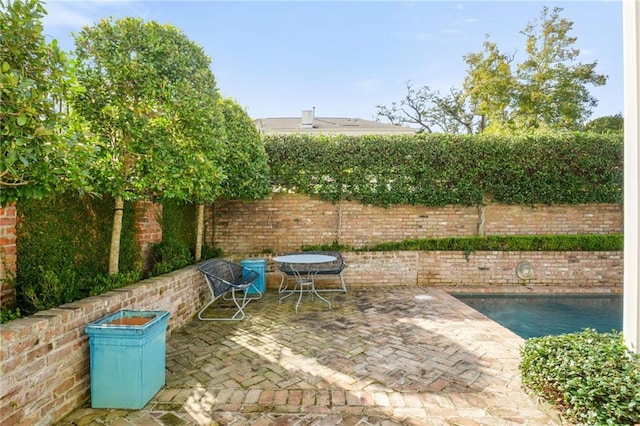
[
  {"x": 440, "y": 170},
  {"x": 286, "y": 222},
  {"x": 44, "y": 358}
]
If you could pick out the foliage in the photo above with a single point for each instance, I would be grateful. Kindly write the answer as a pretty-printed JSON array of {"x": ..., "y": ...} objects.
[
  {"x": 246, "y": 163},
  {"x": 150, "y": 100},
  {"x": 169, "y": 255},
  {"x": 591, "y": 377},
  {"x": 433, "y": 112},
  {"x": 178, "y": 223},
  {"x": 7, "y": 314},
  {"x": 39, "y": 152},
  {"x": 553, "y": 93},
  {"x": 547, "y": 91},
  {"x": 209, "y": 252},
  {"x": 505, "y": 243},
  {"x": 437, "y": 169},
  {"x": 491, "y": 243},
  {"x": 606, "y": 124},
  {"x": 61, "y": 245}
]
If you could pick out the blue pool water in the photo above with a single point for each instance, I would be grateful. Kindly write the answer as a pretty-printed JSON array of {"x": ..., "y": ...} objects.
[{"x": 541, "y": 315}]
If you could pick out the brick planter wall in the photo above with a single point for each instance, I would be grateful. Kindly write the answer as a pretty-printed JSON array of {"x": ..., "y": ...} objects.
[
  {"x": 44, "y": 358},
  {"x": 490, "y": 271}
]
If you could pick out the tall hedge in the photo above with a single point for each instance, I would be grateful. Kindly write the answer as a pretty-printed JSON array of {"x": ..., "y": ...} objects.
[
  {"x": 436, "y": 169},
  {"x": 63, "y": 248}
]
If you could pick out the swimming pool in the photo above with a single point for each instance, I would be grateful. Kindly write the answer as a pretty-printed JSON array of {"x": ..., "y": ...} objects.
[{"x": 541, "y": 315}]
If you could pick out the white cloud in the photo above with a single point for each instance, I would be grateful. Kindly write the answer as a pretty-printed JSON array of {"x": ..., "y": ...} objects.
[{"x": 66, "y": 16}]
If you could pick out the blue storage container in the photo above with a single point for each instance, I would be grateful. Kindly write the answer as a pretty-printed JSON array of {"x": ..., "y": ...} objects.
[
  {"x": 128, "y": 353},
  {"x": 259, "y": 266}
]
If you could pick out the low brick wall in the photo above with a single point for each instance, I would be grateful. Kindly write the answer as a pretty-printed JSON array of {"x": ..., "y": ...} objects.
[
  {"x": 44, "y": 358},
  {"x": 480, "y": 271},
  {"x": 44, "y": 370}
]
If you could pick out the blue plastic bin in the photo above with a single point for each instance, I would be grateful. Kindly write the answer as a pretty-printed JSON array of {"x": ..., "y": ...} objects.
[
  {"x": 259, "y": 266},
  {"x": 127, "y": 358}
]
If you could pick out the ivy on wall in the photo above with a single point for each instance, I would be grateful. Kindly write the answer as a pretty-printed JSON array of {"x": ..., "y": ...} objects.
[{"x": 438, "y": 169}]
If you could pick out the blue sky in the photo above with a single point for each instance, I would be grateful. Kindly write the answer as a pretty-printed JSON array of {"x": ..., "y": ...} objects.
[{"x": 344, "y": 58}]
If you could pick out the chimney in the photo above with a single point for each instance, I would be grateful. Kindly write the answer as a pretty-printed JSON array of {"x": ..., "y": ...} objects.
[{"x": 307, "y": 119}]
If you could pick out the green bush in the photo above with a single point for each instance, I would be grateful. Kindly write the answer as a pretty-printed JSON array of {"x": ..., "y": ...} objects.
[
  {"x": 507, "y": 243},
  {"x": 440, "y": 169},
  {"x": 169, "y": 255},
  {"x": 178, "y": 223},
  {"x": 63, "y": 249},
  {"x": 591, "y": 377}
]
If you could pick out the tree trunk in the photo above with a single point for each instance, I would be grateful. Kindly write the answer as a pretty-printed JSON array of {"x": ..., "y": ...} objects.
[
  {"x": 114, "y": 254},
  {"x": 199, "y": 230}
]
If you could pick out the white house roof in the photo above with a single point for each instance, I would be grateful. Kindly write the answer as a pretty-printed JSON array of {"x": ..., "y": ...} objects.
[{"x": 308, "y": 123}]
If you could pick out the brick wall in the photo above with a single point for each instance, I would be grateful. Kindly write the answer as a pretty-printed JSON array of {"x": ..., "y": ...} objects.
[
  {"x": 286, "y": 222},
  {"x": 44, "y": 358},
  {"x": 490, "y": 271},
  {"x": 148, "y": 229},
  {"x": 8, "y": 254},
  {"x": 561, "y": 219}
]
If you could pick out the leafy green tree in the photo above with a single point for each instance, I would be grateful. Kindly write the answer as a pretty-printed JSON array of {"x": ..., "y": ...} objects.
[
  {"x": 431, "y": 111},
  {"x": 245, "y": 166},
  {"x": 490, "y": 85},
  {"x": 606, "y": 124},
  {"x": 553, "y": 91},
  {"x": 548, "y": 91},
  {"x": 149, "y": 98},
  {"x": 38, "y": 151}
]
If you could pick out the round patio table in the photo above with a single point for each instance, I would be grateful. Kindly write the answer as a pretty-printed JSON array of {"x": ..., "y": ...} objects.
[{"x": 304, "y": 276}]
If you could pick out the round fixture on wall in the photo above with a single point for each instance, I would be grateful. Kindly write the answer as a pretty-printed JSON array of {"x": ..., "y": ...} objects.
[{"x": 524, "y": 270}]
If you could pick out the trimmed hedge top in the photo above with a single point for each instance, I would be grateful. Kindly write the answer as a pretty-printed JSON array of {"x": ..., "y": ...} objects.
[{"x": 438, "y": 169}]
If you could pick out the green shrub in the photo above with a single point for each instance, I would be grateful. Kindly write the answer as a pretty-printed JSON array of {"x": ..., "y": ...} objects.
[
  {"x": 7, "y": 314},
  {"x": 63, "y": 249},
  {"x": 169, "y": 255},
  {"x": 178, "y": 223},
  {"x": 105, "y": 282},
  {"x": 507, "y": 243},
  {"x": 591, "y": 377},
  {"x": 209, "y": 252}
]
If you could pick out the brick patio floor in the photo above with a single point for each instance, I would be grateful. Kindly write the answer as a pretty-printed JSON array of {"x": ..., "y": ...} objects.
[{"x": 388, "y": 356}]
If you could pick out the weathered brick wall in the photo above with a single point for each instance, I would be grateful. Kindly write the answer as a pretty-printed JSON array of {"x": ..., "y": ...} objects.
[
  {"x": 44, "y": 358},
  {"x": 363, "y": 225},
  {"x": 496, "y": 271},
  {"x": 501, "y": 219},
  {"x": 279, "y": 223},
  {"x": 8, "y": 254},
  {"x": 148, "y": 229},
  {"x": 286, "y": 222},
  {"x": 482, "y": 272}
]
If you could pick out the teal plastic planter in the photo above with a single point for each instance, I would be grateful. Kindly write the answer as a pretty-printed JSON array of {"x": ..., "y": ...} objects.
[
  {"x": 259, "y": 266},
  {"x": 127, "y": 352}
]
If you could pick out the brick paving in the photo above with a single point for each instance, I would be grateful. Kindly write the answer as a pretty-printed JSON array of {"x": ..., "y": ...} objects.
[{"x": 381, "y": 356}]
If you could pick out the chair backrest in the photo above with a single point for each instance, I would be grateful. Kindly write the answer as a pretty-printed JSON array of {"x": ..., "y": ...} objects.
[{"x": 220, "y": 274}]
